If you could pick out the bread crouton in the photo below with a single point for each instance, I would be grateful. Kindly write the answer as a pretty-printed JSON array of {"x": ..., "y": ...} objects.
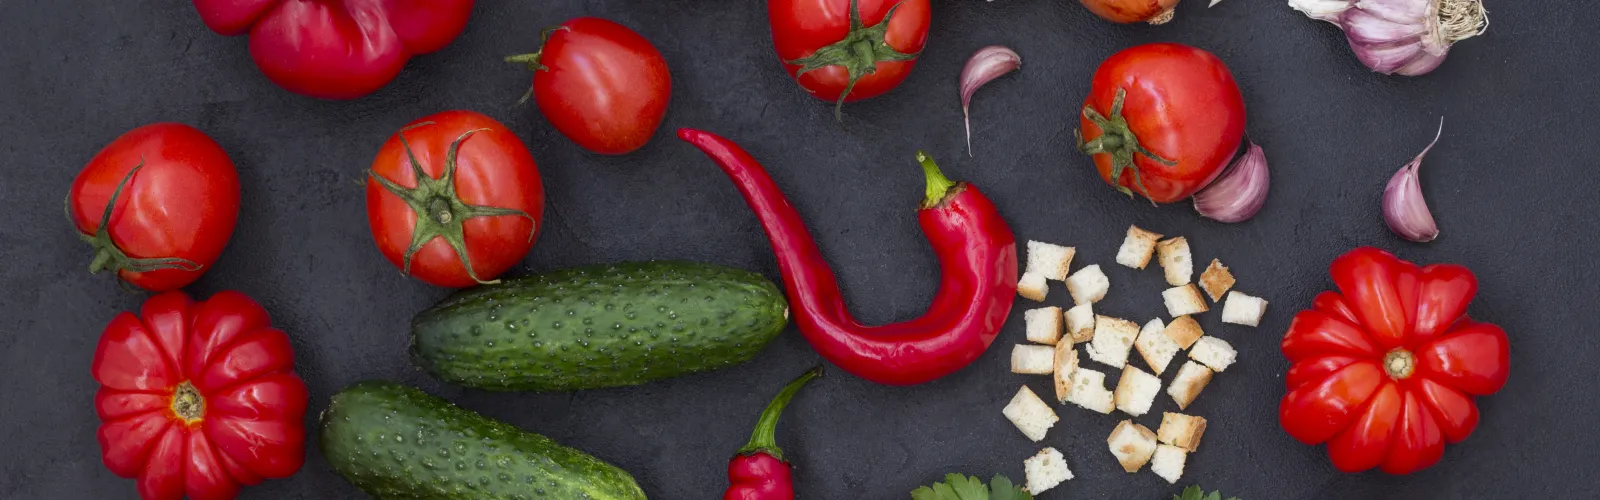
[
  {"x": 1213, "y": 352},
  {"x": 1028, "y": 359},
  {"x": 1066, "y": 364},
  {"x": 1184, "y": 330},
  {"x": 1089, "y": 391},
  {"x": 1046, "y": 470},
  {"x": 1177, "y": 263},
  {"x": 1216, "y": 280},
  {"x": 1113, "y": 338},
  {"x": 1155, "y": 346},
  {"x": 1044, "y": 324},
  {"x": 1191, "y": 379},
  {"x": 1168, "y": 462},
  {"x": 1137, "y": 248},
  {"x": 1181, "y": 430},
  {"x": 1033, "y": 287},
  {"x": 1184, "y": 300},
  {"x": 1088, "y": 285},
  {"x": 1136, "y": 391},
  {"x": 1080, "y": 323},
  {"x": 1132, "y": 444},
  {"x": 1049, "y": 260},
  {"x": 1030, "y": 414},
  {"x": 1241, "y": 309}
]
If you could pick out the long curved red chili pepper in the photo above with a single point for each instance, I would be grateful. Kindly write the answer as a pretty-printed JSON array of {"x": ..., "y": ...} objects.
[
  {"x": 977, "y": 258},
  {"x": 758, "y": 471}
]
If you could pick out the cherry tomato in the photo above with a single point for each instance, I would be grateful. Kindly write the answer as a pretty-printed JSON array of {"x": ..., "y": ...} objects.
[
  {"x": 1385, "y": 370},
  {"x": 601, "y": 84},
  {"x": 474, "y": 214},
  {"x": 1132, "y": 11},
  {"x": 158, "y": 205},
  {"x": 1169, "y": 116},
  {"x": 848, "y": 50}
]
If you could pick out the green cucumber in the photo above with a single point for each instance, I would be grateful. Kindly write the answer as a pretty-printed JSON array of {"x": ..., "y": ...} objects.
[
  {"x": 397, "y": 442},
  {"x": 599, "y": 326}
]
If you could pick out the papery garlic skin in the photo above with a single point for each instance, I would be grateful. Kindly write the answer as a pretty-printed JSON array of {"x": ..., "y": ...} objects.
[
  {"x": 1404, "y": 209},
  {"x": 985, "y": 65},
  {"x": 1403, "y": 37},
  {"x": 1240, "y": 192}
]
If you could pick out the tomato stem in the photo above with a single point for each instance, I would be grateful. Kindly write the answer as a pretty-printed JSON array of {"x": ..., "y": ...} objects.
[
  {"x": 859, "y": 52},
  {"x": 1118, "y": 140},
  {"x": 107, "y": 255},
  {"x": 188, "y": 404},
  {"x": 1399, "y": 363}
]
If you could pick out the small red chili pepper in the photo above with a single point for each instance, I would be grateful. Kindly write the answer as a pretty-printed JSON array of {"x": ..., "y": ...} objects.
[
  {"x": 977, "y": 258},
  {"x": 758, "y": 471}
]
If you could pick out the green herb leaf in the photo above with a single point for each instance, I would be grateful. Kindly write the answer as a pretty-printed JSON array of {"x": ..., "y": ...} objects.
[
  {"x": 964, "y": 487},
  {"x": 1191, "y": 493}
]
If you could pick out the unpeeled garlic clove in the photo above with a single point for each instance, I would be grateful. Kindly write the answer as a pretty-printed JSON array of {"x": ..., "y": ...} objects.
[
  {"x": 1404, "y": 209},
  {"x": 986, "y": 64},
  {"x": 1241, "y": 191}
]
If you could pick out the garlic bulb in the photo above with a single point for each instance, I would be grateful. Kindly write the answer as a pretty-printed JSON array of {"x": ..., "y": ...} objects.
[{"x": 1405, "y": 37}]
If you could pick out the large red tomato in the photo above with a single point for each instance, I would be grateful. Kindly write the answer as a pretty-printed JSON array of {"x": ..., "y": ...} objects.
[
  {"x": 1168, "y": 116},
  {"x": 158, "y": 205},
  {"x": 454, "y": 199},
  {"x": 848, "y": 50},
  {"x": 1385, "y": 370},
  {"x": 601, "y": 84}
]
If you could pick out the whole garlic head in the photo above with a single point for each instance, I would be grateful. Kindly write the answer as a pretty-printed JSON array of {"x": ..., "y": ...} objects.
[{"x": 1405, "y": 37}]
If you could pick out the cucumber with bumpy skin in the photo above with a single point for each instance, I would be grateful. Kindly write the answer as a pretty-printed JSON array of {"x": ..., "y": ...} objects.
[
  {"x": 399, "y": 443},
  {"x": 599, "y": 326}
]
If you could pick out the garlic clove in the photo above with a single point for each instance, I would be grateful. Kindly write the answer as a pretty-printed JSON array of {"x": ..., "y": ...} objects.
[
  {"x": 985, "y": 65},
  {"x": 1366, "y": 28},
  {"x": 1398, "y": 11},
  {"x": 1322, "y": 10},
  {"x": 1424, "y": 63},
  {"x": 1388, "y": 59},
  {"x": 1404, "y": 209},
  {"x": 1240, "y": 192}
]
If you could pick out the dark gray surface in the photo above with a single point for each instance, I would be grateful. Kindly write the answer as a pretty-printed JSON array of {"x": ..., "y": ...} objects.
[{"x": 1511, "y": 182}]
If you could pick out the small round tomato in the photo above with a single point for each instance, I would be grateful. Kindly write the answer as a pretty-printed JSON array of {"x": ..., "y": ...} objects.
[
  {"x": 1168, "y": 115},
  {"x": 454, "y": 199},
  {"x": 601, "y": 84},
  {"x": 158, "y": 205},
  {"x": 848, "y": 50}
]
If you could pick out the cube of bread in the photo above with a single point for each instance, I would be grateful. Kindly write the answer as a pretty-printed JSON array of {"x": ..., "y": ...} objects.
[
  {"x": 1049, "y": 260},
  {"x": 1028, "y": 359},
  {"x": 1032, "y": 286},
  {"x": 1044, "y": 324},
  {"x": 1137, "y": 248},
  {"x": 1066, "y": 364},
  {"x": 1181, "y": 430},
  {"x": 1216, "y": 280},
  {"x": 1080, "y": 323},
  {"x": 1030, "y": 414},
  {"x": 1184, "y": 330},
  {"x": 1136, "y": 391},
  {"x": 1113, "y": 338},
  {"x": 1213, "y": 352},
  {"x": 1177, "y": 263},
  {"x": 1168, "y": 462},
  {"x": 1241, "y": 309},
  {"x": 1046, "y": 470},
  {"x": 1088, "y": 285},
  {"x": 1132, "y": 444},
  {"x": 1089, "y": 391},
  {"x": 1155, "y": 346},
  {"x": 1192, "y": 377},
  {"x": 1184, "y": 300}
]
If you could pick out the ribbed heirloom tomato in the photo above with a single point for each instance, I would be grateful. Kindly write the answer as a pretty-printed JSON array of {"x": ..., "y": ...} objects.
[
  {"x": 600, "y": 84},
  {"x": 848, "y": 50},
  {"x": 1169, "y": 116},
  {"x": 158, "y": 205},
  {"x": 1385, "y": 370},
  {"x": 454, "y": 199},
  {"x": 198, "y": 398}
]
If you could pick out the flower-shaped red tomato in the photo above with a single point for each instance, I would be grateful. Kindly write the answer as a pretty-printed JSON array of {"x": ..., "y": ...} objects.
[
  {"x": 1385, "y": 370},
  {"x": 198, "y": 398}
]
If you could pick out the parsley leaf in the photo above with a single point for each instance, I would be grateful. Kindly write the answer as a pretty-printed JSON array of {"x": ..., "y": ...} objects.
[
  {"x": 963, "y": 487},
  {"x": 1195, "y": 493}
]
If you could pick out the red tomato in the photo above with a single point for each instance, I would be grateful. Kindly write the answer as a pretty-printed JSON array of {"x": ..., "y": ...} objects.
[
  {"x": 844, "y": 50},
  {"x": 198, "y": 399},
  {"x": 1177, "y": 124},
  {"x": 601, "y": 84},
  {"x": 477, "y": 209},
  {"x": 178, "y": 203},
  {"x": 1384, "y": 371},
  {"x": 1129, "y": 11}
]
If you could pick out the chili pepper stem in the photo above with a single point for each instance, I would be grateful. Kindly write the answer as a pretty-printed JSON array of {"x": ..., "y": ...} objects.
[
  {"x": 938, "y": 184},
  {"x": 764, "y": 439}
]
